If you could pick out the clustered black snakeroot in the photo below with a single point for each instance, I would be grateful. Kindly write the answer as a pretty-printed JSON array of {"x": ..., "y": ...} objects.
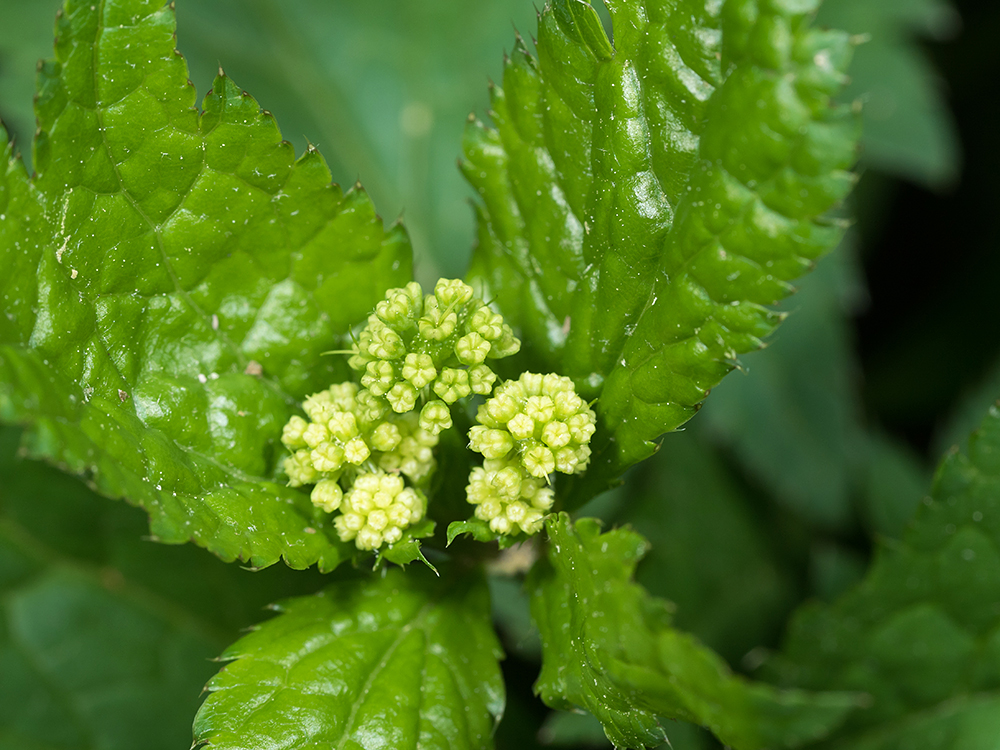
[{"x": 368, "y": 450}]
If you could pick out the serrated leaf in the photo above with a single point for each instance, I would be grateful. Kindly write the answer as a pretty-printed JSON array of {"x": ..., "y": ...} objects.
[
  {"x": 403, "y": 660},
  {"x": 641, "y": 204},
  {"x": 170, "y": 281},
  {"x": 477, "y": 529},
  {"x": 921, "y": 633},
  {"x": 407, "y": 549},
  {"x": 710, "y": 554},
  {"x": 608, "y": 647},
  {"x": 105, "y": 637}
]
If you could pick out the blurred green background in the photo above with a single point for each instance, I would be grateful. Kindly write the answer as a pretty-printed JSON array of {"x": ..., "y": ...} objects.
[{"x": 772, "y": 495}]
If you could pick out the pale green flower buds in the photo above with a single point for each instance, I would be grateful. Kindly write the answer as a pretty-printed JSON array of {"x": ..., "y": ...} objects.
[
  {"x": 418, "y": 355},
  {"x": 327, "y": 495},
  {"x": 345, "y": 439},
  {"x": 510, "y": 500},
  {"x": 420, "y": 347},
  {"x": 377, "y": 509},
  {"x": 452, "y": 385},
  {"x": 435, "y": 417},
  {"x": 539, "y": 421}
]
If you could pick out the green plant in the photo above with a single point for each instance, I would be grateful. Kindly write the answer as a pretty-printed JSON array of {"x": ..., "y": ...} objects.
[{"x": 179, "y": 289}]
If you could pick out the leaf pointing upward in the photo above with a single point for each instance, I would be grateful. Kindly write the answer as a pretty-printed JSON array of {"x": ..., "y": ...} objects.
[
  {"x": 170, "y": 280},
  {"x": 643, "y": 202}
]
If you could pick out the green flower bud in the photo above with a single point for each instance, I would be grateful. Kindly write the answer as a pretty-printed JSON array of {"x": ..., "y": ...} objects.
[
  {"x": 491, "y": 443},
  {"x": 435, "y": 417},
  {"x": 539, "y": 461},
  {"x": 401, "y": 307},
  {"x": 371, "y": 407},
  {"x": 472, "y": 349},
  {"x": 522, "y": 427},
  {"x": 385, "y": 342},
  {"x": 327, "y": 495},
  {"x": 481, "y": 380},
  {"x": 343, "y": 425},
  {"x": 292, "y": 433},
  {"x": 437, "y": 324},
  {"x": 315, "y": 434},
  {"x": 402, "y": 398},
  {"x": 319, "y": 406},
  {"x": 379, "y": 377},
  {"x": 386, "y": 437},
  {"x": 452, "y": 292},
  {"x": 377, "y": 509},
  {"x": 506, "y": 497},
  {"x": 419, "y": 370},
  {"x": 356, "y": 451},
  {"x": 499, "y": 410},
  {"x": 414, "y": 455},
  {"x": 549, "y": 425},
  {"x": 506, "y": 345},
  {"x": 487, "y": 323},
  {"x": 426, "y": 341},
  {"x": 556, "y": 435},
  {"x": 539, "y": 408},
  {"x": 452, "y": 385},
  {"x": 299, "y": 469},
  {"x": 327, "y": 457},
  {"x": 343, "y": 396}
]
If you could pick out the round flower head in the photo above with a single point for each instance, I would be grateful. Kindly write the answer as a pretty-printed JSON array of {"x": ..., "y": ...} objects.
[
  {"x": 344, "y": 437},
  {"x": 419, "y": 348},
  {"x": 509, "y": 499},
  {"x": 539, "y": 421},
  {"x": 377, "y": 509}
]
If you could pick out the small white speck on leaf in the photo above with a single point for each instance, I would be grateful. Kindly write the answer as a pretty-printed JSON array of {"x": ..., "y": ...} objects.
[{"x": 254, "y": 368}]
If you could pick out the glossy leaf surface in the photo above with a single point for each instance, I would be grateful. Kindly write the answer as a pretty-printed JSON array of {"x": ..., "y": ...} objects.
[
  {"x": 643, "y": 203},
  {"x": 608, "y": 647},
  {"x": 171, "y": 279},
  {"x": 404, "y": 660},
  {"x": 921, "y": 633}
]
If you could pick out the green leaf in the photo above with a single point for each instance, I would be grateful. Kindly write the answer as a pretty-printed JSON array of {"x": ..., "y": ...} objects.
[
  {"x": 407, "y": 549},
  {"x": 478, "y": 530},
  {"x": 641, "y": 204},
  {"x": 105, "y": 637},
  {"x": 608, "y": 647},
  {"x": 403, "y": 660},
  {"x": 920, "y": 633},
  {"x": 908, "y": 129},
  {"x": 709, "y": 552},
  {"x": 171, "y": 279}
]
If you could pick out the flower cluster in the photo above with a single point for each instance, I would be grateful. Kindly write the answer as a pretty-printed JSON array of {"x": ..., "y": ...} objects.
[
  {"x": 508, "y": 499},
  {"x": 429, "y": 349},
  {"x": 530, "y": 428},
  {"x": 377, "y": 509},
  {"x": 339, "y": 442},
  {"x": 367, "y": 449}
]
